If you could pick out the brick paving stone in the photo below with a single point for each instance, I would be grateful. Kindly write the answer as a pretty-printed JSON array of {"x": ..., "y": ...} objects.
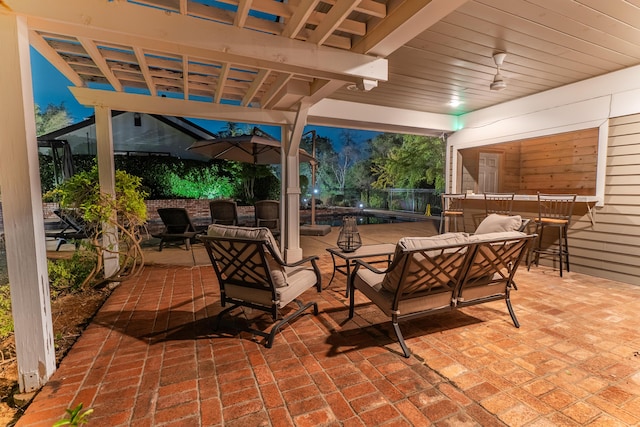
[
  {"x": 518, "y": 416},
  {"x": 558, "y": 399},
  {"x": 318, "y": 418},
  {"x": 581, "y": 412},
  {"x": 280, "y": 417},
  {"x": 441, "y": 409},
  {"x": 570, "y": 364},
  {"x": 379, "y": 415}
]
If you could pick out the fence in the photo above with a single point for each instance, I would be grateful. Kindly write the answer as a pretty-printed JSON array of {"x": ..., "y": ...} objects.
[{"x": 423, "y": 201}]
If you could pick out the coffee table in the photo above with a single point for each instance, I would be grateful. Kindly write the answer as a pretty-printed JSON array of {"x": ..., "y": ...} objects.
[{"x": 365, "y": 251}]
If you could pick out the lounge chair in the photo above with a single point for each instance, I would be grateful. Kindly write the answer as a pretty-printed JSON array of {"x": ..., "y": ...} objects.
[
  {"x": 178, "y": 227},
  {"x": 224, "y": 212},
  {"x": 251, "y": 273},
  {"x": 442, "y": 273},
  {"x": 73, "y": 228}
]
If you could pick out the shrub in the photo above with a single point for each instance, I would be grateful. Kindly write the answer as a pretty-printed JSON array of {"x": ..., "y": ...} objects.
[
  {"x": 6, "y": 319},
  {"x": 67, "y": 275},
  {"x": 200, "y": 184}
]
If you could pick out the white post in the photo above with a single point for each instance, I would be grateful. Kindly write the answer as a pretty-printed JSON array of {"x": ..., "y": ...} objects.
[
  {"x": 291, "y": 199},
  {"x": 106, "y": 172},
  {"x": 22, "y": 210}
]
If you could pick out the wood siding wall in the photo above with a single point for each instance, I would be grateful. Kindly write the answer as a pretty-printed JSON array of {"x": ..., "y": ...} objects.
[
  {"x": 561, "y": 163},
  {"x": 610, "y": 248},
  {"x": 606, "y": 241}
]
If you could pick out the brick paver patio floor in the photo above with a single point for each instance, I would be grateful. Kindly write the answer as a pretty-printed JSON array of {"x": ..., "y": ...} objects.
[{"x": 150, "y": 358}]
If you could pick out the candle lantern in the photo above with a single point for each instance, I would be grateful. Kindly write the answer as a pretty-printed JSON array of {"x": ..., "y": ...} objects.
[{"x": 349, "y": 238}]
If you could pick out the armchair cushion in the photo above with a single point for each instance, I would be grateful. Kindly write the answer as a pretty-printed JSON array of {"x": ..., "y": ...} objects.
[
  {"x": 277, "y": 270},
  {"x": 392, "y": 279},
  {"x": 495, "y": 223}
]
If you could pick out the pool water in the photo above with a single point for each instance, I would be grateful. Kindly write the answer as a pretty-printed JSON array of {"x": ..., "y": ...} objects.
[{"x": 362, "y": 219}]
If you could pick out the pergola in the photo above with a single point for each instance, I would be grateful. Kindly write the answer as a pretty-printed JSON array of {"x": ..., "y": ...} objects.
[{"x": 410, "y": 66}]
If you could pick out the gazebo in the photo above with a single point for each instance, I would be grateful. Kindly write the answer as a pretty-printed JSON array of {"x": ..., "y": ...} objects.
[{"x": 429, "y": 67}]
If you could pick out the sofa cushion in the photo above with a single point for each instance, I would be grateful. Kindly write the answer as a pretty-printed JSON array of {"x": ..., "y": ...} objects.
[
  {"x": 500, "y": 235},
  {"x": 495, "y": 223},
  {"x": 416, "y": 281},
  {"x": 278, "y": 272}
]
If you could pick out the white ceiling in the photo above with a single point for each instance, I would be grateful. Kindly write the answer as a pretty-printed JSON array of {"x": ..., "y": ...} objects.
[{"x": 234, "y": 56}]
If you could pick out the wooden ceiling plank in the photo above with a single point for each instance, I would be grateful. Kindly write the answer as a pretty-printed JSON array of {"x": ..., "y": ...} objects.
[
  {"x": 118, "y": 22},
  {"x": 599, "y": 20},
  {"x": 478, "y": 44},
  {"x": 349, "y": 26},
  {"x": 368, "y": 7},
  {"x": 222, "y": 79},
  {"x": 185, "y": 76},
  {"x": 275, "y": 8},
  {"x": 54, "y": 58},
  {"x": 299, "y": 18},
  {"x": 403, "y": 24},
  {"x": 72, "y": 48},
  {"x": 258, "y": 80},
  {"x": 565, "y": 28},
  {"x": 144, "y": 68},
  {"x": 321, "y": 89},
  {"x": 276, "y": 86},
  {"x": 244, "y": 6},
  {"x": 94, "y": 52},
  {"x": 336, "y": 15},
  {"x": 478, "y": 19},
  {"x": 180, "y": 107}
]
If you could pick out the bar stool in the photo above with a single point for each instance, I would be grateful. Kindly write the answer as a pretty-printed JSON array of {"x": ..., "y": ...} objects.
[
  {"x": 498, "y": 203},
  {"x": 554, "y": 210},
  {"x": 452, "y": 208}
]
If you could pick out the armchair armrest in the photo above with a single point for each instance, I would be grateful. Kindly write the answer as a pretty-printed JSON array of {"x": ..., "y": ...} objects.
[
  {"x": 313, "y": 260},
  {"x": 359, "y": 262},
  {"x": 302, "y": 261}
]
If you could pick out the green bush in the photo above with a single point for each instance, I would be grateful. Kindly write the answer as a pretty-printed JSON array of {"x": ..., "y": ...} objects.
[
  {"x": 67, "y": 275},
  {"x": 204, "y": 183},
  {"x": 6, "y": 319}
]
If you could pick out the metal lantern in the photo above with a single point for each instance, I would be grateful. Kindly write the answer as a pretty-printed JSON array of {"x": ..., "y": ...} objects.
[{"x": 349, "y": 238}]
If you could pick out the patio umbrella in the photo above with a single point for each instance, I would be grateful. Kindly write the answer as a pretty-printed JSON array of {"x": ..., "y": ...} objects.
[{"x": 257, "y": 149}]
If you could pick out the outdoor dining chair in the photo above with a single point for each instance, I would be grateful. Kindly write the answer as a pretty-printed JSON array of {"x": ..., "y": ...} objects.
[
  {"x": 452, "y": 211},
  {"x": 554, "y": 211},
  {"x": 499, "y": 203},
  {"x": 267, "y": 214},
  {"x": 224, "y": 212}
]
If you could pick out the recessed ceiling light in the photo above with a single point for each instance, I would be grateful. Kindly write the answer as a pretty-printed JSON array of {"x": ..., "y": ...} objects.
[{"x": 454, "y": 102}]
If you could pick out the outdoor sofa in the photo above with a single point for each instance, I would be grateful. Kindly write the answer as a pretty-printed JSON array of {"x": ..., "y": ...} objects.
[{"x": 445, "y": 272}]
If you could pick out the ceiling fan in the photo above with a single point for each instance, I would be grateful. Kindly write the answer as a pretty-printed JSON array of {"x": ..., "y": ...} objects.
[{"x": 498, "y": 81}]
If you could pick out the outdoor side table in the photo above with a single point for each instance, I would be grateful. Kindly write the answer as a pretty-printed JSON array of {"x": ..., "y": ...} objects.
[{"x": 365, "y": 251}]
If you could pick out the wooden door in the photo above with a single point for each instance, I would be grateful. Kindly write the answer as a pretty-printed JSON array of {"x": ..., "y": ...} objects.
[{"x": 489, "y": 173}]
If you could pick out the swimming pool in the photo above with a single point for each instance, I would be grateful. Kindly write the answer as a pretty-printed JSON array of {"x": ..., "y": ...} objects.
[{"x": 362, "y": 218}]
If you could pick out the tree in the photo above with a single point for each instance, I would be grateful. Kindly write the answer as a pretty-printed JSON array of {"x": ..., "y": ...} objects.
[
  {"x": 54, "y": 117},
  {"x": 417, "y": 163},
  {"x": 324, "y": 153},
  {"x": 127, "y": 212},
  {"x": 338, "y": 164}
]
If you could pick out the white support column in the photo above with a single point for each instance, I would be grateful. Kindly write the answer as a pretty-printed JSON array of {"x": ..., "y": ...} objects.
[
  {"x": 106, "y": 172},
  {"x": 22, "y": 210},
  {"x": 291, "y": 178}
]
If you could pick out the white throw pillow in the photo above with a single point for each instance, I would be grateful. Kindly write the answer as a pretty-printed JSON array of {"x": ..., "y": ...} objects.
[{"x": 495, "y": 223}]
